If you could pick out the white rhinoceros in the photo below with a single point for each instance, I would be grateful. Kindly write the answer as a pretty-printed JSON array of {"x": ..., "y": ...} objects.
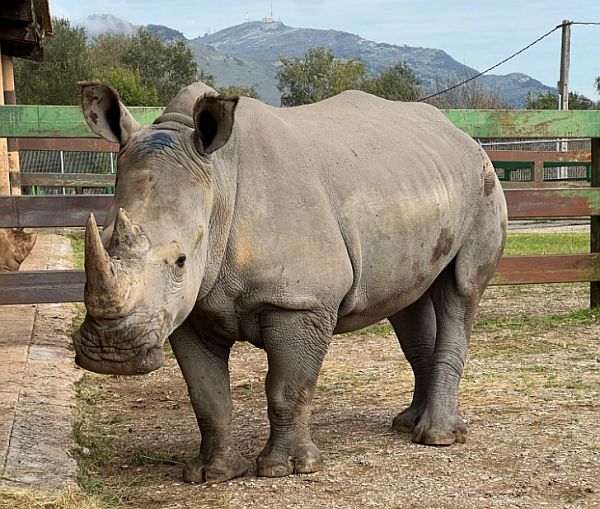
[{"x": 237, "y": 221}]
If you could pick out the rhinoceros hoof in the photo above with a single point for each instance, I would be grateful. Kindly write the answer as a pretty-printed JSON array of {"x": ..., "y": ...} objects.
[
  {"x": 405, "y": 421},
  {"x": 219, "y": 470},
  {"x": 429, "y": 432},
  {"x": 300, "y": 460}
]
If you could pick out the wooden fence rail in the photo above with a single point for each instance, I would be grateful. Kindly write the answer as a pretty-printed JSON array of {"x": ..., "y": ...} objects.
[
  {"x": 21, "y": 179},
  {"x": 35, "y": 123}
]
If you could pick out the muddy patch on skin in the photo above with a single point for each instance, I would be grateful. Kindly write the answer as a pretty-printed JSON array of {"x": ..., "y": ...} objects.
[{"x": 443, "y": 246}]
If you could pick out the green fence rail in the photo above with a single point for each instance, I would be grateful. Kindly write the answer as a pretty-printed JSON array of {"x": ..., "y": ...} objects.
[{"x": 67, "y": 121}]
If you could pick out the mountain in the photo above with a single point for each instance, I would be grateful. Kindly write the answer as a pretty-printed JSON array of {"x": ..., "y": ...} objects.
[
  {"x": 248, "y": 54},
  {"x": 165, "y": 33},
  {"x": 98, "y": 24},
  {"x": 266, "y": 41}
]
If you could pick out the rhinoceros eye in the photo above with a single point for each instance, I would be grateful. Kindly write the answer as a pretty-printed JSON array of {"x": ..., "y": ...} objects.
[{"x": 181, "y": 261}]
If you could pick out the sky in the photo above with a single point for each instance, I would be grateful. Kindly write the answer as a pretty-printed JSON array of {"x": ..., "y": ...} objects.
[{"x": 476, "y": 33}]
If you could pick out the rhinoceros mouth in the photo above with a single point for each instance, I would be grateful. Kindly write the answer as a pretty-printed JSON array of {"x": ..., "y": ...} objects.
[
  {"x": 119, "y": 348},
  {"x": 145, "y": 362}
]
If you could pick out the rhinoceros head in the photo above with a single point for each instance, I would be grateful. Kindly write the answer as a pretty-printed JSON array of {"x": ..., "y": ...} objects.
[
  {"x": 15, "y": 246},
  {"x": 144, "y": 271}
]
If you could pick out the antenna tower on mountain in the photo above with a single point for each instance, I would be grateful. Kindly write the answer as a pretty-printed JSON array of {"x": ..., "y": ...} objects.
[{"x": 269, "y": 19}]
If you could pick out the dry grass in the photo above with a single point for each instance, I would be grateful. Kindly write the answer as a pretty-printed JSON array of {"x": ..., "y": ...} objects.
[{"x": 31, "y": 499}]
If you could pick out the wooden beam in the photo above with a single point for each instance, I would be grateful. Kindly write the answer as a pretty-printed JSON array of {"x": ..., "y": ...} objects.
[
  {"x": 20, "y": 33},
  {"x": 546, "y": 184},
  {"x": 8, "y": 77},
  {"x": 536, "y": 155},
  {"x": 527, "y": 123},
  {"x": 67, "y": 144},
  {"x": 73, "y": 210},
  {"x": 4, "y": 165},
  {"x": 595, "y": 221},
  {"x": 38, "y": 287},
  {"x": 520, "y": 270},
  {"x": 562, "y": 202},
  {"x": 19, "y": 179},
  {"x": 17, "y": 11},
  {"x": 52, "y": 211}
]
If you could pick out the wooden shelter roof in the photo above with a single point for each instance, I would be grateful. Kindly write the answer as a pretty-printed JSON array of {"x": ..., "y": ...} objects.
[{"x": 23, "y": 24}]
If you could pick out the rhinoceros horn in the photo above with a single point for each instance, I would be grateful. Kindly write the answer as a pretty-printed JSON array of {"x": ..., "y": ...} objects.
[
  {"x": 98, "y": 265},
  {"x": 106, "y": 286},
  {"x": 126, "y": 236}
]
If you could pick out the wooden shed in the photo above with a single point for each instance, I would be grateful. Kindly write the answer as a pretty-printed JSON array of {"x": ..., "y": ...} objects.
[{"x": 23, "y": 24}]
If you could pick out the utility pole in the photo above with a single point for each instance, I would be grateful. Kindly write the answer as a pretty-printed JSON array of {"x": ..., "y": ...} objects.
[
  {"x": 563, "y": 84},
  {"x": 565, "y": 60}
]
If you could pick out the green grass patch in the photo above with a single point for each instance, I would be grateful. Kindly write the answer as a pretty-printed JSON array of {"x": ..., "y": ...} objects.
[
  {"x": 78, "y": 248},
  {"x": 539, "y": 323},
  {"x": 78, "y": 319},
  {"x": 382, "y": 329},
  {"x": 546, "y": 243}
]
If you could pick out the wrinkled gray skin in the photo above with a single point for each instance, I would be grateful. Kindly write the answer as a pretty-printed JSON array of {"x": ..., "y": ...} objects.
[{"x": 295, "y": 224}]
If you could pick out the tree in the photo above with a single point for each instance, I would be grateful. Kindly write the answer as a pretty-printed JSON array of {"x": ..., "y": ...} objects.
[
  {"x": 598, "y": 84},
  {"x": 108, "y": 50},
  {"x": 316, "y": 76},
  {"x": 549, "y": 101},
  {"x": 128, "y": 84},
  {"x": 470, "y": 95},
  {"x": 167, "y": 66},
  {"x": 239, "y": 90},
  {"x": 54, "y": 80},
  {"x": 397, "y": 83}
]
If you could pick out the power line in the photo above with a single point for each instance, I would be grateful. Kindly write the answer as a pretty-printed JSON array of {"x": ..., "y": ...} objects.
[
  {"x": 514, "y": 100},
  {"x": 499, "y": 63}
]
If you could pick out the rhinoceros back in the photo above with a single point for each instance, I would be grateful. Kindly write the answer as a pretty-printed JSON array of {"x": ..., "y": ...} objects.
[{"x": 356, "y": 201}]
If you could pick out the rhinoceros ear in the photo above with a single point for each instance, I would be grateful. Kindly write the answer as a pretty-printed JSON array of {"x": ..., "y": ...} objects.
[
  {"x": 213, "y": 118},
  {"x": 105, "y": 114}
]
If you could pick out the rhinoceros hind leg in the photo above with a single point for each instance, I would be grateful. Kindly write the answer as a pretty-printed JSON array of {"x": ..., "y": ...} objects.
[
  {"x": 455, "y": 296},
  {"x": 415, "y": 328},
  {"x": 296, "y": 343},
  {"x": 455, "y": 305}
]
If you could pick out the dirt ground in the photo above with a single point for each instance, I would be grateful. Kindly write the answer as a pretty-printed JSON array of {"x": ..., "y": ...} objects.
[{"x": 530, "y": 394}]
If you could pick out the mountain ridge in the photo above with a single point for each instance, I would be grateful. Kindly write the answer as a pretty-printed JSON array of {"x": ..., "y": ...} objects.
[{"x": 247, "y": 54}]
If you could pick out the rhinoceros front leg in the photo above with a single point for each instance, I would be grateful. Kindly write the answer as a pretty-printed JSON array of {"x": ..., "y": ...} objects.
[
  {"x": 206, "y": 373},
  {"x": 296, "y": 343}
]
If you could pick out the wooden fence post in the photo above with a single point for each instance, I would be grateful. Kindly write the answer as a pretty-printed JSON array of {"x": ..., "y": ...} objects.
[
  {"x": 4, "y": 166},
  {"x": 595, "y": 220},
  {"x": 8, "y": 78}
]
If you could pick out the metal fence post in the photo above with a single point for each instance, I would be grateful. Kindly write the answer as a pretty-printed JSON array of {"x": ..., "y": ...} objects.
[{"x": 595, "y": 220}]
